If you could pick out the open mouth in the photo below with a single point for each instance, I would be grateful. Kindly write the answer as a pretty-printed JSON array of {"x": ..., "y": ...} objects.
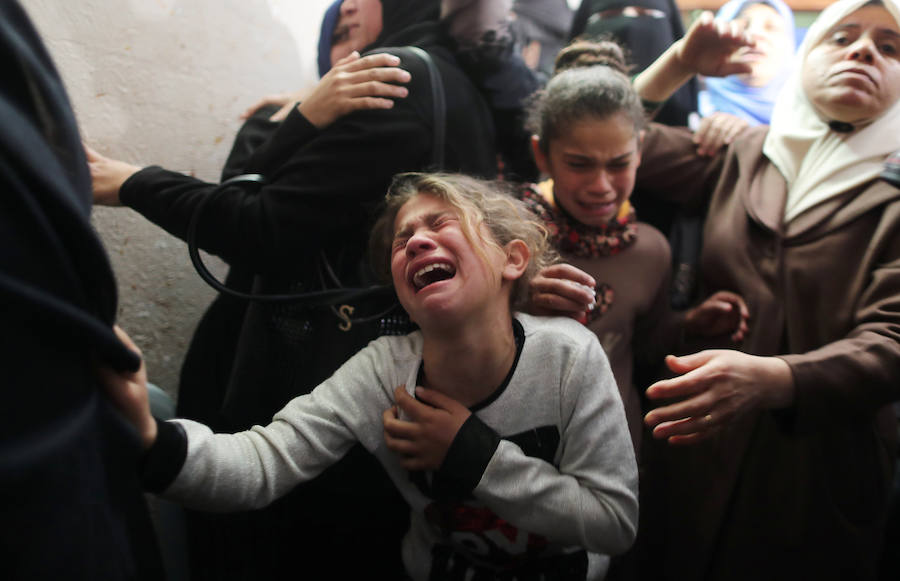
[{"x": 431, "y": 274}]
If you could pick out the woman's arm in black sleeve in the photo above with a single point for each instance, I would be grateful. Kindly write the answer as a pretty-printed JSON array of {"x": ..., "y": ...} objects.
[
  {"x": 327, "y": 186},
  {"x": 292, "y": 134}
]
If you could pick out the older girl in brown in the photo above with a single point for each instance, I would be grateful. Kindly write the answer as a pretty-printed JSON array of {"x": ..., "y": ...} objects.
[{"x": 588, "y": 125}]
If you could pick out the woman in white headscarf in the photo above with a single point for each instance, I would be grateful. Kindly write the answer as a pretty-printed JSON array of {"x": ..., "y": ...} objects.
[{"x": 787, "y": 446}]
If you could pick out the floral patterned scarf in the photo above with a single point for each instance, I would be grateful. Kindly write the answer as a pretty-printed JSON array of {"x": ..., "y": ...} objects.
[{"x": 576, "y": 239}]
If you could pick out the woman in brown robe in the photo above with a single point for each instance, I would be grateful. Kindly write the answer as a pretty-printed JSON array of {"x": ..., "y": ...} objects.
[{"x": 775, "y": 461}]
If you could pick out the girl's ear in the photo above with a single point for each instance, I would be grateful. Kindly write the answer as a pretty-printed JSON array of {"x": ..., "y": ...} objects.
[
  {"x": 517, "y": 257},
  {"x": 540, "y": 158}
]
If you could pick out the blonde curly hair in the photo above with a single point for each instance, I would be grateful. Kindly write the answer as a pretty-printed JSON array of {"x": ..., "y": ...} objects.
[{"x": 477, "y": 202}]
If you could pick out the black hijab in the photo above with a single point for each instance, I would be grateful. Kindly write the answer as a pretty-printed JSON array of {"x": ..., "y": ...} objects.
[
  {"x": 408, "y": 22},
  {"x": 52, "y": 264},
  {"x": 67, "y": 460},
  {"x": 645, "y": 36}
]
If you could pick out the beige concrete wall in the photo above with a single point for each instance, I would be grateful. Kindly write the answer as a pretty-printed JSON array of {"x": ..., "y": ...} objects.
[{"x": 163, "y": 82}]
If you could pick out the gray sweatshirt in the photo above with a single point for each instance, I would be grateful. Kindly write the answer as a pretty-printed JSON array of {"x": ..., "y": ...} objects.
[{"x": 543, "y": 473}]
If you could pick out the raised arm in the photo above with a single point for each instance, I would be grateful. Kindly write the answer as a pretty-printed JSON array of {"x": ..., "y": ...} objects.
[{"x": 708, "y": 48}]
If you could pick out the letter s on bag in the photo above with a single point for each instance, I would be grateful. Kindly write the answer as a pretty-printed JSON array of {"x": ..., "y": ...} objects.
[{"x": 344, "y": 312}]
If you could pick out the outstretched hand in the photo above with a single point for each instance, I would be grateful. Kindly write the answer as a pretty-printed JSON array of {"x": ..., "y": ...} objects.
[
  {"x": 723, "y": 312},
  {"x": 128, "y": 392},
  {"x": 715, "y": 388},
  {"x": 709, "y": 47},
  {"x": 422, "y": 441},
  {"x": 352, "y": 84},
  {"x": 562, "y": 289},
  {"x": 107, "y": 176}
]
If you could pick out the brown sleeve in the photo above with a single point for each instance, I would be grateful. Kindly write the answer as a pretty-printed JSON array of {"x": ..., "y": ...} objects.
[
  {"x": 853, "y": 377},
  {"x": 671, "y": 170}
]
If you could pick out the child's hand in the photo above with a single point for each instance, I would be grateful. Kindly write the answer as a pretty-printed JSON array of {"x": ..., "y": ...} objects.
[
  {"x": 128, "y": 391},
  {"x": 422, "y": 442},
  {"x": 562, "y": 289},
  {"x": 723, "y": 312}
]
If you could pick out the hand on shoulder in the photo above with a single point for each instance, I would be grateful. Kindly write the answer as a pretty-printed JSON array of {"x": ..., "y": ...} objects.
[{"x": 354, "y": 83}]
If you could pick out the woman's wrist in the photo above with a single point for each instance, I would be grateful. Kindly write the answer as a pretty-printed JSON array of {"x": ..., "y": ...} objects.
[
  {"x": 781, "y": 391},
  {"x": 664, "y": 76}
]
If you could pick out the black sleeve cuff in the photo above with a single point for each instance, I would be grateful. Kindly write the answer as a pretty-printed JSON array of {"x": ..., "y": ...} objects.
[
  {"x": 468, "y": 456},
  {"x": 131, "y": 189},
  {"x": 163, "y": 461}
]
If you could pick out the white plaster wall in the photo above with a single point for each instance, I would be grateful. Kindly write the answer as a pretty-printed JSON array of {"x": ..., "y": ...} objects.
[{"x": 163, "y": 82}]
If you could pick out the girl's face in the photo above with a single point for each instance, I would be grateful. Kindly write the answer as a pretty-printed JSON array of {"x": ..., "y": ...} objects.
[
  {"x": 769, "y": 30},
  {"x": 593, "y": 167},
  {"x": 853, "y": 73},
  {"x": 435, "y": 267}
]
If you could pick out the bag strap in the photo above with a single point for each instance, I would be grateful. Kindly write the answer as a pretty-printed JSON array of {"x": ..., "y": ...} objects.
[
  {"x": 338, "y": 295},
  {"x": 439, "y": 107},
  {"x": 312, "y": 298}
]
